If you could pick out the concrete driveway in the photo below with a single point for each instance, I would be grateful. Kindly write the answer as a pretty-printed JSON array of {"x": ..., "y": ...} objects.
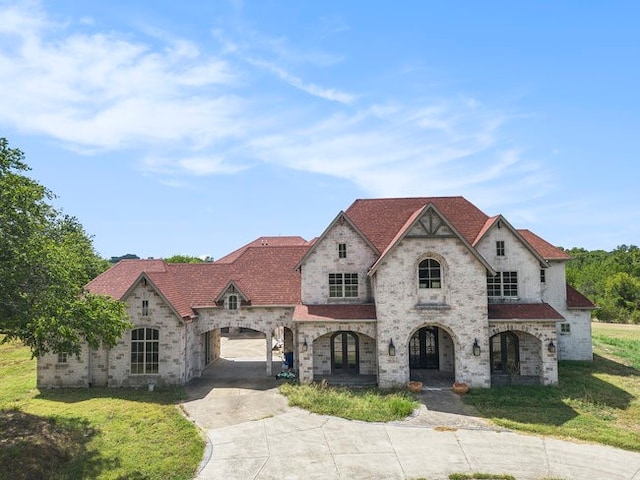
[{"x": 254, "y": 434}]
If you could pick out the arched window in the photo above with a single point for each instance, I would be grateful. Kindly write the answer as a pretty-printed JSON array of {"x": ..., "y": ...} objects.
[
  {"x": 233, "y": 302},
  {"x": 429, "y": 274},
  {"x": 145, "y": 350},
  {"x": 505, "y": 354}
]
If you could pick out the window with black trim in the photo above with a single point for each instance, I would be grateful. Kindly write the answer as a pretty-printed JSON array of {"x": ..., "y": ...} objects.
[
  {"x": 343, "y": 285},
  {"x": 342, "y": 250},
  {"x": 63, "y": 357},
  {"x": 565, "y": 329},
  {"x": 504, "y": 284},
  {"x": 145, "y": 350},
  {"x": 543, "y": 275},
  {"x": 500, "y": 248},
  {"x": 429, "y": 274},
  {"x": 145, "y": 308}
]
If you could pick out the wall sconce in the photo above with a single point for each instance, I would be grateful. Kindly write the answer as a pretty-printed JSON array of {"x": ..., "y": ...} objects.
[
  {"x": 476, "y": 348},
  {"x": 305, "y": 345},
  {"x": 551, "y": 347},
  {"x": 392, "y": 348}
]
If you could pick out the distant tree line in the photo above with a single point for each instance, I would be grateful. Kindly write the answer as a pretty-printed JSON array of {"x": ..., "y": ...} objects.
[
  {"x": 172, "y": 259},
  {"x": 610, "y": 279}
]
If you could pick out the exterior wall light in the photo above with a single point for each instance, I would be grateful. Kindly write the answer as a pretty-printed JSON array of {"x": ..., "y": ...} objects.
[
  {"x": 476, "y": 348},
  {"x": 392, "y": 348},
  {"x": 305, "y": 345},
  {"x": 551, "y": 347}
]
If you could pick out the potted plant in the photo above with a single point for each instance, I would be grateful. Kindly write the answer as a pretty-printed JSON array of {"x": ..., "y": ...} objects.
[
  {"x": 460, "y": 388},
  {"x": 414, "y": 387}
]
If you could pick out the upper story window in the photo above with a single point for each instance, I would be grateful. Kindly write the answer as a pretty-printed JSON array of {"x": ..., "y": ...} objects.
[
  {"x": 145, "y": 350},
  {"x": 429, "y": 274},
  {"x": 145, "y": 308},
  {"x": 565, "y": 329},
  {"x": 500, "y": 248},
  {"x": 343, "y": 285},
  {"x": 342, "y": 250},
  {"x": 543, "y": 275},
  {"x": 504, "y": 284},
  {"x": 63, "y": 357},
  {"x": 232, "y": 302}
]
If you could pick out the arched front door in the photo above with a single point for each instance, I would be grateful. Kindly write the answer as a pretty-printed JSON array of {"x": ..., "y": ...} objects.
[
  {"x": 423, "y": 349},
  {"x": 345, "y": 353},
  {"x": 505, "y": 354}
]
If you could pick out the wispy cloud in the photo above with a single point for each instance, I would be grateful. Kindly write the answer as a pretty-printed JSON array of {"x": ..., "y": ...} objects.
[{"x": 202, "y": 110}]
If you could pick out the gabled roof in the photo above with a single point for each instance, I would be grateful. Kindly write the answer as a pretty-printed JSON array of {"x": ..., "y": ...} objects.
[
  {"x": 116, "y": 281},
  {"x": 523, "y": 311},
  {"x": 412, "y": 220},
  {"x": 334, "y": 312},
  {"x": 501, "y": 222},
  {"x": 316, "y": 241},
  {"x": 577, "y": 300},
  {"x": 290, "y": 241},
  {"x": 381, "y": 219},
  {"x": 546, "y": 250}
]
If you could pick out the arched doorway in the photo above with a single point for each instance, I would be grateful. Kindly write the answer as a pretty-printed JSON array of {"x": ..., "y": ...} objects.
[
  {"x": 515, "y": 358},
  {"x": 423, "y": 349},
  {"x": 431, "y": 356},
  {"x": 345, "y": 354}
]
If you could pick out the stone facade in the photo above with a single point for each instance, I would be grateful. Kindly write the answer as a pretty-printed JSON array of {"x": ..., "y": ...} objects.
[{"x": 370, "y": 299}]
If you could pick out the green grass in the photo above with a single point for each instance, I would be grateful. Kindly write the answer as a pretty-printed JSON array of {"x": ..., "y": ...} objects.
[
  {"x": 480, "y": 476},
  {"x": 597, "y": 402},
  {"x": 90, "y": 433},
  {"x": 369, "y": 405}
]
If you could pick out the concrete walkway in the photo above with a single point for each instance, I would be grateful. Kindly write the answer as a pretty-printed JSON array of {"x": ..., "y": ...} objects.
[{"x": 254, "y": 434}]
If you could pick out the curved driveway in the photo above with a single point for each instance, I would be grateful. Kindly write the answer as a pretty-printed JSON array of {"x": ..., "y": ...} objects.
[{"x": 253, "y": 434}]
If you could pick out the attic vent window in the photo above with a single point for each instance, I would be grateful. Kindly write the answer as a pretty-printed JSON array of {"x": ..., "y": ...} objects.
[
  {"x": 145, "y": 308},
  {"x": 342, "y": 250},
  {"x": 144, "y": 282},
  {"x": 232, "y": 302}
]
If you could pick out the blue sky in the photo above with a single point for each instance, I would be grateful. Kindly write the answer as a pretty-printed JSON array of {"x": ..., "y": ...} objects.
[{"x": 194, "y": 127}]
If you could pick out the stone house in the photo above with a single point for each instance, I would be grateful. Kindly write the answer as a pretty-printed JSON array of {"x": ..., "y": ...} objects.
[{"x": 393, "y": 289}]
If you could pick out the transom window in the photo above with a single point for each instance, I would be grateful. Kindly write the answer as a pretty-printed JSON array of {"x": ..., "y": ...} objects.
[
  {"x": 429, "y": 274},
  {"x": 232, "y": 302},
  {"x": 145, "y": 347},
  {"x": 342, "y": 250},
  {"x": 500, "y": 248},
  {"x": 145, "y": 308},
  {"x": 504, "y": 284},
  {"x": 343, "y": 285}
]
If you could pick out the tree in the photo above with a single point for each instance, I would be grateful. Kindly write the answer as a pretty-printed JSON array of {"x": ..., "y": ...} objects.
[
  {"x": 187, "y": 259},
  {"x": 46, "y": 258}
]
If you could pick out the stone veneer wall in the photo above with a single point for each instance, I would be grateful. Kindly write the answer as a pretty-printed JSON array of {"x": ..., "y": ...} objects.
[
  {"x": 401, "y": 309},
  {"x": 173, "y": 361},
  {"x": 322, "y": 355},
  {"x": 324, "y": 260},
  {"x": 534, "y": 350},
  {"x": 74, "y": 373},
  {"x": 317, "y": 335}
]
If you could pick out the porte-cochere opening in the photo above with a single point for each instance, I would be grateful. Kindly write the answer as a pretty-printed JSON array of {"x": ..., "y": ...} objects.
[
  {"x": 431, "y": 357},
  {"x": 237, "y": 353},
  {"x": 515, "y": 359},
  {"x": 345, "y": 358}
]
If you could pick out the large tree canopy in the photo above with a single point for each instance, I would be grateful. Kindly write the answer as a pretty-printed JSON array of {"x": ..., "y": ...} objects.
[{"x": 46, "y": 258}]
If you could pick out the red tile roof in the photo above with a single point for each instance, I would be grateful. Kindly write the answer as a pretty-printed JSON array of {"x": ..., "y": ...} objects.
[
  {"x": 381, "y": 219},
  {"x": 523, "y": 311},
  {"x": 544, "y": 248},
  {"x": 334, "y": 312},
  {"x": 575, "y": 299}
]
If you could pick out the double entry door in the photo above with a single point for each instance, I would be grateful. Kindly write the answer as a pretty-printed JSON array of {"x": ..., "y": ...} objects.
[{"x": 423, "y": 349}]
